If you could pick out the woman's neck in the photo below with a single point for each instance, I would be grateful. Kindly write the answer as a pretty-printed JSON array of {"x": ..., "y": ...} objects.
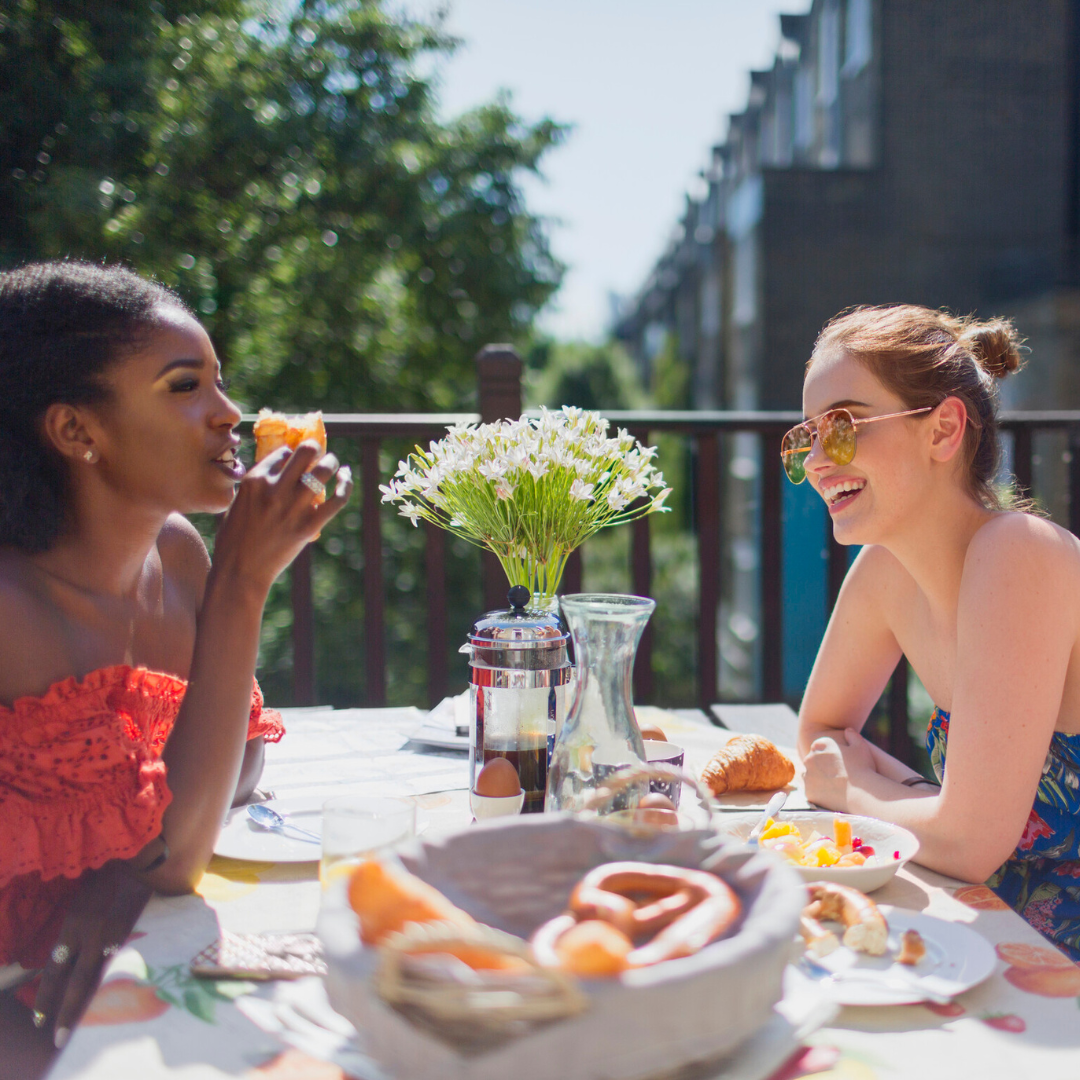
[
  {"x": 934, "y": 549},
  {"x": 106, "y": 549}
]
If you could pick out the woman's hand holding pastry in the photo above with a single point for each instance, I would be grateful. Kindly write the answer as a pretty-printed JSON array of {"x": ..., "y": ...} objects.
[{"x": 277, "y": 511}]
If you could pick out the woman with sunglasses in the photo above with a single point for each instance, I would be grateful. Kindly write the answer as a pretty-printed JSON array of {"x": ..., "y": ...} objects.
[
  {"x": 129, "y": 719},
  {"x": 983, "y": 601}
]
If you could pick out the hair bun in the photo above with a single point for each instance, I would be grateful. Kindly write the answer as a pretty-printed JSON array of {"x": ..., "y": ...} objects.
[{"x": 995, "y": 344}]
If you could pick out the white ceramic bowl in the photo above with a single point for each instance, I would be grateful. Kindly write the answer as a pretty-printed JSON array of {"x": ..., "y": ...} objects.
[
  {"x": 883, "y": 837},
  {"x": 484, "y": 806}
]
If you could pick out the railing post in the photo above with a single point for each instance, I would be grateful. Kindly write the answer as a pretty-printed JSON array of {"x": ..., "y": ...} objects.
[
  {"x": 573, "y": 573},
  {"x": 772, "y": 595},
  {"x": 1022, "y": 463},
  {"x": 641, "y": 579},
  {"x": 641, "y": 585},
  {"x": 303, "y": 629},
  {"x": 1074, "y": 481},
  {"x": 498, "y": 373},
  {"x": 838, "y": 564},
  {"x": 374, "y": 602},
  {"x": 707, "y": 518},
  {"x": 435, "y": 564},
  {"x": 900, "y": 744}
]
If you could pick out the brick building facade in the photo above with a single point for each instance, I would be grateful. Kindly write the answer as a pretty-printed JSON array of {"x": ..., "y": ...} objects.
[{"x": 922, "y": 151}]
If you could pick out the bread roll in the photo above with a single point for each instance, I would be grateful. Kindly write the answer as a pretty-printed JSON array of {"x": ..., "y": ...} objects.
[{"x": 273, "y": 429}]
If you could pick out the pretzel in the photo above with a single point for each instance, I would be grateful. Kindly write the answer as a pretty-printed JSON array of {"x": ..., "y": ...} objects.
[
  {"x": 819, "y": 941},
  {"x": 680, "y": 910},
  {"x": 865, "y": 929}
]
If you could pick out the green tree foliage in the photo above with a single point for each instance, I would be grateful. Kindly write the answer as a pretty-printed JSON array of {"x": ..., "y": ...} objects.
[
  {"x": 283, "y": 167},
  {"x": 579, "y": 373},
  {"x": 281, "y": 163}
]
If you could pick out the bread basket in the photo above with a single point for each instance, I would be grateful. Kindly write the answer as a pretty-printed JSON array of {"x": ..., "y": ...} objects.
[{"x": 512, "y": 875}]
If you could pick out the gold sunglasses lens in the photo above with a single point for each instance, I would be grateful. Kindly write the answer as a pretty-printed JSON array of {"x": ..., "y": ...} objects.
[
  {"x": 793, "y": 451},
  {"x": 837, "y": 435}
]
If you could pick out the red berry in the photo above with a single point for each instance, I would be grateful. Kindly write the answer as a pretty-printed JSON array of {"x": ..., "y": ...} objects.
[
  {"x": 896, "y": 854},
  {"x": 867, "y": 850},
  {"x": 856, "y": 843},
  {"x": 1005, "y": 1022}
]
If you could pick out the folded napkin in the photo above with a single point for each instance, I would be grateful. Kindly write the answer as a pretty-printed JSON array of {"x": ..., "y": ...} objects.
[{"x": 451, "y": 715}]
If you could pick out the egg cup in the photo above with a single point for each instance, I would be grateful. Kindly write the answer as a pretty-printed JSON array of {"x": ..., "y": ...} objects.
[{"x": 487, "y": 806}]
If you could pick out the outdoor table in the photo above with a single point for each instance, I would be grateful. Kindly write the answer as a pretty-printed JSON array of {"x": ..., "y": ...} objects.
[{"x": 152, "y": 1019}]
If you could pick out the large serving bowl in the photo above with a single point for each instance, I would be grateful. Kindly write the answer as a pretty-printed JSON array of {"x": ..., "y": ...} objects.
[
  {"x": 885, "y": 838},
  {"x": 516, "y": 873}
]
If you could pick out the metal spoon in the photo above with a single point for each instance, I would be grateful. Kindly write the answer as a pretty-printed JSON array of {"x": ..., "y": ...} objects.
[
  {"x": 266, "y": 818},
  {"x": 872, "y": 979},
  {"x": 770, "y": 811}
]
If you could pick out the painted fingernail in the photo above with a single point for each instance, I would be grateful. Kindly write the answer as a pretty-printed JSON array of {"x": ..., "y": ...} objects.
[
  {"x": 61, "y": 1037},
  {"x": 38, "y": 1017},
  {"x": 345, "y": 473}
]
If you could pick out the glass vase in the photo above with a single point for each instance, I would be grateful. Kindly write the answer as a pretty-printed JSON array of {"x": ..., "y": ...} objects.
[{"x": 600, "y": 734}]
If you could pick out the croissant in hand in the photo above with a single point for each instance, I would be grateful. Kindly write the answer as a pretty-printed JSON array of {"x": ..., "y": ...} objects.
[{"x": 748, "y": 763}]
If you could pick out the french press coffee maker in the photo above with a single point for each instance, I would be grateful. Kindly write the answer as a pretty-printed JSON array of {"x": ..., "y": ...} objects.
[{"x": 520, "y": 680}]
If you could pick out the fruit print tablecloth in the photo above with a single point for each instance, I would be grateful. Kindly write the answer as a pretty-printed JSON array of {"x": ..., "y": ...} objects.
[{"x": 152, "y": 1019}]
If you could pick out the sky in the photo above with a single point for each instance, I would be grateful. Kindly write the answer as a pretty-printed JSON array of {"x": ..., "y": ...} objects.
[{"x": 647, "y": 87}]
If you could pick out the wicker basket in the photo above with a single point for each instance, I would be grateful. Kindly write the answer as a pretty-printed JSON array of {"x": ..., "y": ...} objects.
[{"x": 512, "y": 875}]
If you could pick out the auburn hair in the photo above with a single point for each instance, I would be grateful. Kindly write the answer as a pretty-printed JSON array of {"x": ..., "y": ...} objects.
[{"x": 924, "y": 356}]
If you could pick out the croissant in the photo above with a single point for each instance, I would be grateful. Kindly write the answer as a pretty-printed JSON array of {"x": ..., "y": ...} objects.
[{"x": 748, "y": 763}]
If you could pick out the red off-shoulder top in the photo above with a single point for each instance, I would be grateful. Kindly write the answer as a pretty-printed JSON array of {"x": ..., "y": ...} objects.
[{"x": 82, "y": 782}]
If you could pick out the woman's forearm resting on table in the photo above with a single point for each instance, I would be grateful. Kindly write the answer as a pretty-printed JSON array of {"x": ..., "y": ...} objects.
[
  {"x": 207, "y": 755},
  {"x": 951, "y": 841}
]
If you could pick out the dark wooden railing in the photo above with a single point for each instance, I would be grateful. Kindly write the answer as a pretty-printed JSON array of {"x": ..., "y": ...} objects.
[{"x": 499, "y": 380}]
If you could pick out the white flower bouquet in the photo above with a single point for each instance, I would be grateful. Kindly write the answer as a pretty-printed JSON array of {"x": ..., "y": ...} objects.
[{"x": 530, "y": 490}]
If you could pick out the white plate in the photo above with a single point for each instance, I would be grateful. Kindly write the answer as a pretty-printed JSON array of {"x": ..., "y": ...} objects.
[
  {"x": 957, "y": 958},
  {"x": 882, "y": 836},
  {"x": 241, "y": 838},
  {"x": 443, "y": 738}
]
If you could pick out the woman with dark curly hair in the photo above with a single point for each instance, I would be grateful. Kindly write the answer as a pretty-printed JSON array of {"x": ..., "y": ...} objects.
[
  {"x": 983, "y": 601},
  {"x": 129, "y": 717}
]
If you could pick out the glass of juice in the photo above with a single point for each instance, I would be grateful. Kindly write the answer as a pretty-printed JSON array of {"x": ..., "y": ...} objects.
[{"x": 357, "y": 827}]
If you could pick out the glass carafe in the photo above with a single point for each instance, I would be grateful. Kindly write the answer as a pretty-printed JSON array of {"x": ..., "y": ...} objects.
[{"x": 600, "y": 734}]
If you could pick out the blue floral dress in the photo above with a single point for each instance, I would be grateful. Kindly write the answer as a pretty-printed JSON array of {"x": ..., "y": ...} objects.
[{"x": 1041, "y": 880}]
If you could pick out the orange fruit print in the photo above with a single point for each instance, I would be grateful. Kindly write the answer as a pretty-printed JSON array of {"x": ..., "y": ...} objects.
[
  {"x": 980, "y": 898},
  {"x": 124, "y": 1001},
  {"x": 1022, "y": 955},
  {"x": 1060, "y": 982}
]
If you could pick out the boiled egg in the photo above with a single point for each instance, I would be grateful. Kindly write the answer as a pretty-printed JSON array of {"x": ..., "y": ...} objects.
[{"x": 498, "y": 779}]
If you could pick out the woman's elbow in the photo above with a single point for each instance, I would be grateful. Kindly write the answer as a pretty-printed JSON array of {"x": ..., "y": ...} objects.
[
  {"x": 178, "y": 876},
  {"x": 969, "y": 865}
]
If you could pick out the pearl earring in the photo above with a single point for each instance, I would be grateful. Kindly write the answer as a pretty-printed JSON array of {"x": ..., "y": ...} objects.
[{"x": 89, "y": 455}]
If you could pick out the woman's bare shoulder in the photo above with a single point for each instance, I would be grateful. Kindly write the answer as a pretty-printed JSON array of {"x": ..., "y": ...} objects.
[
  {"x": 1024, "y": 543},
  {"x": 1019, "y": 560},
  {"x": 184, "y": 558}
]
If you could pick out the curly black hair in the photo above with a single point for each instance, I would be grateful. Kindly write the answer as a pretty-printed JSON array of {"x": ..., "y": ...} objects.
[{"x": 61, "y": 325}]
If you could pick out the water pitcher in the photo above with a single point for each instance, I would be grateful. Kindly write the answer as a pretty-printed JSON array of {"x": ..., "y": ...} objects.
[{"x": 600, "y": 734}]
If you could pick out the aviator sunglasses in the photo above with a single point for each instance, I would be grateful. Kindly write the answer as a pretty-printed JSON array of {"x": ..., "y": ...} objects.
[{"x": 836, "y": 431}]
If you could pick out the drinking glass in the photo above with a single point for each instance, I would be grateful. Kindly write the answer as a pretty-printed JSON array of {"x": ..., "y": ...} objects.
[{"x": 357, "y": 827}]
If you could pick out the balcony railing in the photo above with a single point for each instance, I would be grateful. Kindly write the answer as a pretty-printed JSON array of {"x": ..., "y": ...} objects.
[{"x": 499, "y": 372}]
